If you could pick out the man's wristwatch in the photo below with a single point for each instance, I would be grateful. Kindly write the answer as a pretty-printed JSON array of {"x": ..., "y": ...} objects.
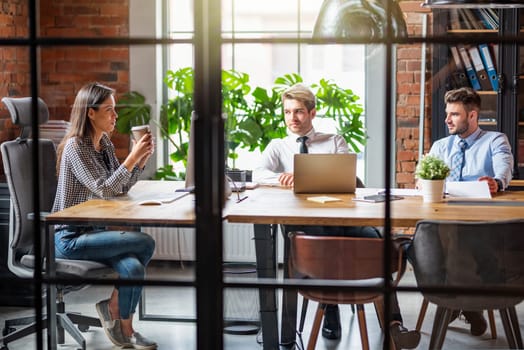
[{"x": 499, "y": 184}]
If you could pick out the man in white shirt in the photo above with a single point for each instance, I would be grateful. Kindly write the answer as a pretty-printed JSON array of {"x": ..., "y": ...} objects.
[
  {"x": 277, "y": 158},
  {"x": 277, "y": 168}
]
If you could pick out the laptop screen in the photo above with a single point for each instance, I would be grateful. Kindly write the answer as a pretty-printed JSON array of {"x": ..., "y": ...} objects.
[{"x": 325, "y": 173}]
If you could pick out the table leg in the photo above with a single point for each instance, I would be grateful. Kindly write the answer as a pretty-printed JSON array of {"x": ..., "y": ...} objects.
[
  {"x": 51, "y": 288},
  {"x": 265, "y": 247},
  {"x": 289, "y": 303}
]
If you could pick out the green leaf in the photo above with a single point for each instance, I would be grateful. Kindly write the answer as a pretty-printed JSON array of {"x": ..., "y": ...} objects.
[
  {"x": 132, "y": 110},
  {"x": 431, "y": 168}
]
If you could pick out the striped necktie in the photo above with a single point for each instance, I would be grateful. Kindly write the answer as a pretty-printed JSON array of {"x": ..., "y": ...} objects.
[
  {"x": 457, "y": 162},
  {"x": 303, "y": 146}
]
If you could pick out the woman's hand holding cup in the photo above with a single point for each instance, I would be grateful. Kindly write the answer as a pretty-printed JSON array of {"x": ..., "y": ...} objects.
[{"x": 139, "y": 131}]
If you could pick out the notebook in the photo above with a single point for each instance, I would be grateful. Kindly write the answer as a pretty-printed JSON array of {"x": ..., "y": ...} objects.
[{"x": 325, "y": 173}]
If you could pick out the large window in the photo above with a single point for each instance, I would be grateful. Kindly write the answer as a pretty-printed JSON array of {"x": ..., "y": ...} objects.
[{"x": 251, "y": 19}]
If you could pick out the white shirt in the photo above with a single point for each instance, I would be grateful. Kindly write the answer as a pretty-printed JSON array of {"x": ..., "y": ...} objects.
[{"x": 278, "y": 156}]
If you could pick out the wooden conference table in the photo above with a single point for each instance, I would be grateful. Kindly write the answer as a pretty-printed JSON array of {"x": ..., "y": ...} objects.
[{"x": 265, "y": 208}]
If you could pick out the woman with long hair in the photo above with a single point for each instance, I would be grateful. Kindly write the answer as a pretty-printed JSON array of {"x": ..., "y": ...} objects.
[{"x": 88, "y": 168}]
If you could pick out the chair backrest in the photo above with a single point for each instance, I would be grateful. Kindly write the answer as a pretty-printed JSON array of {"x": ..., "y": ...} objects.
[
  {"x": 466, "y": 254},
  {"x": 355, "y": 260},
  {"x": 17, "y": 157},
  {"x": 336, "y": 257}
]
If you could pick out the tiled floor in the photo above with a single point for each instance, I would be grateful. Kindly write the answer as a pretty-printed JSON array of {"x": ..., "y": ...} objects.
[{"x": 182, "y": 335}]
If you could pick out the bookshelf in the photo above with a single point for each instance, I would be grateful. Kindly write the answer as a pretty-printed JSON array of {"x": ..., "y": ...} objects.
[
  {"x": 520, "y": 99},
  {"x": 503, "y": 103}
]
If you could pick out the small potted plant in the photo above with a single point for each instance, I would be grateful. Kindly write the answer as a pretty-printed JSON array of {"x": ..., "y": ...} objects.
[{"x": 431, "y": 173}]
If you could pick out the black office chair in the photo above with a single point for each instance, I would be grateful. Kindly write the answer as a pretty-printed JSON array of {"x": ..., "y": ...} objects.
[
  {"x": 17, "y": 156},
  {"x": 470, "y": 255}
]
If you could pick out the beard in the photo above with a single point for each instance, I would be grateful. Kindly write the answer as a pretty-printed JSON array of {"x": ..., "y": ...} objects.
[{"x": 460, "y": 129}]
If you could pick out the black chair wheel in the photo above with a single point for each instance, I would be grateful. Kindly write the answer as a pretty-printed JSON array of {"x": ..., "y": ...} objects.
[
  {"x": 7, "y": 330},
  {"x": 83, "y": 327}
]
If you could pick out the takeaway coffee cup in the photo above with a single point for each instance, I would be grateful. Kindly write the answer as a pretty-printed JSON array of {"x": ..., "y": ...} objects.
[{"x": 139, "y": 131}]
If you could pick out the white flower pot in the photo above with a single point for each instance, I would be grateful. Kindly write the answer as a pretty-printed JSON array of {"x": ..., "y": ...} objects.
[{"x": 432, "y": 190}]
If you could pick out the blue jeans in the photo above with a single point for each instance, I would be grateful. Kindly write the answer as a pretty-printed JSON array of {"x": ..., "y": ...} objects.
[{"x": 127, "y": 252}]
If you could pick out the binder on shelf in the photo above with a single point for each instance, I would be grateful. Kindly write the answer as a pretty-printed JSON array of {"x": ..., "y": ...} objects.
[
  {"x": 493, "y": 14},
  {"x": 483, "y": 19},
  {"x": 490, "y": 68},
  {"x": 470, "y": 71},
  {"x": 482, "y": 74},
  {"x": 474, "y": 21},
  {"x": 458, "y": 73},
  {"x": 489, "y": 21},
  {"x": 454, "y": 20},
  {"x": 464, "y": 19},
  {"x": 495, "y": 55}
]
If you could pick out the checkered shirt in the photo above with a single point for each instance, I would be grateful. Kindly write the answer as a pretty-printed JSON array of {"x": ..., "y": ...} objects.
[{"x": 86, "y": 173}]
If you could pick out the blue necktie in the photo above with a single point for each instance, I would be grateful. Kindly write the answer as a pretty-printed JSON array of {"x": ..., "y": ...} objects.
[
  {"x": 457, "y": 162},
  {"x": 303, "y": 146}
]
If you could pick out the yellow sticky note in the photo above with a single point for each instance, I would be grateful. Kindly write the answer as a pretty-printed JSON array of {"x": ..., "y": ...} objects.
[{"x": 323, "y": 199}]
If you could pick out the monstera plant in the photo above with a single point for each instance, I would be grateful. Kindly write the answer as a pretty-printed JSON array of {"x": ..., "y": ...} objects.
[
  {"x": 132, "y": 110},
  {"x": 254, "y": 115}
]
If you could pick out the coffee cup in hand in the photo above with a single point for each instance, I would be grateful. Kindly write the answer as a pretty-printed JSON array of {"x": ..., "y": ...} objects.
[{"x": 139, "y": 131}]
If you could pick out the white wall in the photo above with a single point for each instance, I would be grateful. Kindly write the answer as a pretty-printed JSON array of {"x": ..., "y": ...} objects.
[
  {"x": 375, "y": 120},
  {"x": 144, "y": 61}
]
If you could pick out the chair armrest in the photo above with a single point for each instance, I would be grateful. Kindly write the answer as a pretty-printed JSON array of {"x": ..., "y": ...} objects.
[
  {"x": 401, "y": 242},
  {"x": 43, "y": 215}
]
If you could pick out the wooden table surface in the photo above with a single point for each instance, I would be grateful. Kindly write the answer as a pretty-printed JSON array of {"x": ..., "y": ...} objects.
[
  {"x": 274, "y": 205},
  {"x": 126, "y": 210}
]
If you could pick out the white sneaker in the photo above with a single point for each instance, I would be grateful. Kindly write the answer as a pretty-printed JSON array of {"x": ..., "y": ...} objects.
[{"x": 138, "y": 341}]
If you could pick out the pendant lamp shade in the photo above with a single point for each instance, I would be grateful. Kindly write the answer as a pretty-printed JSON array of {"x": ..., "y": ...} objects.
[
  {"x": 473, "y": 3},
  {"x": 358, "y": 19}
]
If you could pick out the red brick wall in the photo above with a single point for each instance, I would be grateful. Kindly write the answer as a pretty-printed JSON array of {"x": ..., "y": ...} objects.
[
  {"x": 408, "y": 103},
  {"x": 64, "y": 69},
  {"x": 14, "y": 72}
]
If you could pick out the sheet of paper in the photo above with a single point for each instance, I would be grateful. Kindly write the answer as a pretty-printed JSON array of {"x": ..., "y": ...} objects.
[
  {"x": 323, "y": 199},
  {"x": 468, "y": 189}
]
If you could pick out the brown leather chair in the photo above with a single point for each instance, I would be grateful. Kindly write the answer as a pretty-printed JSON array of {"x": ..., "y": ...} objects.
[{"x": 359, "y": 262}]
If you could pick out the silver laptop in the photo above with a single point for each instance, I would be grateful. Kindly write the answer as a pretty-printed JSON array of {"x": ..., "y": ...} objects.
[{"x": 325, "y": 173}]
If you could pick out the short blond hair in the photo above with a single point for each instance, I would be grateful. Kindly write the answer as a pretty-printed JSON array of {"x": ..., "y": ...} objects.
[{"x": 300, "y": 92}]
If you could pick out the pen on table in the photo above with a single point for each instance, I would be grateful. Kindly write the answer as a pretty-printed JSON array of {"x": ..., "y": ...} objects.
[{"x": 241, "y": 199}]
